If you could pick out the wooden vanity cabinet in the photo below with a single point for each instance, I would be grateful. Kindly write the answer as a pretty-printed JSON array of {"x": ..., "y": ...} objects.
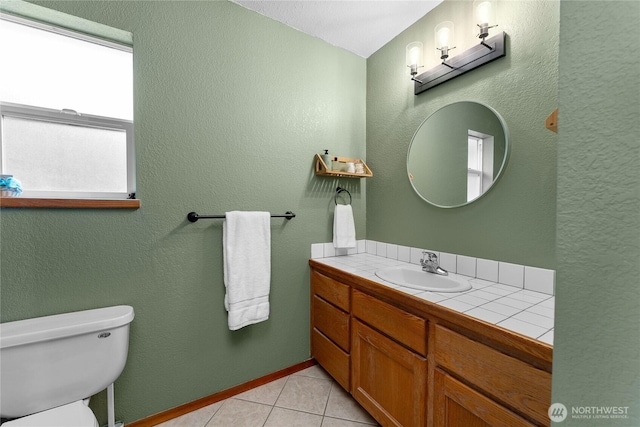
[
  {"x": 458, "y": 405},
  {"x": 508, "y": 380},
  {"x": 412, "y": 363},
  {"x": 388, "y": 361},
  {"x": 330, "y": 327}
]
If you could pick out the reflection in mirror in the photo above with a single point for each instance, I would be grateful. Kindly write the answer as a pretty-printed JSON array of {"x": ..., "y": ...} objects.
[{"x": 457, "y": 154}]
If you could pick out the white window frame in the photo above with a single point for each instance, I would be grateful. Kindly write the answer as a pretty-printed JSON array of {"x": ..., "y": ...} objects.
[
  {"x": 70, "y": 117},
  {"x": 485, "y": 144},
  {"x": 122, "y": 41}
]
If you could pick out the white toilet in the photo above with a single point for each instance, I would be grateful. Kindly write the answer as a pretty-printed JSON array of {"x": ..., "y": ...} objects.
[{"x": 50, "y": 366}]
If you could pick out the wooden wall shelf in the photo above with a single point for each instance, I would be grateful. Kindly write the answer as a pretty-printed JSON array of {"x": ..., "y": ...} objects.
[{"x": 323, "y": 170}]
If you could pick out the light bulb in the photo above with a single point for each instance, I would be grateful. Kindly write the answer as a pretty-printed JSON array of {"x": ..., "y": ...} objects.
[
  {"x": 483, "y": 12},
  {"x": 444, "y": 34},
  {"x": 485, "y": 16},
  {"x": 444, "y": 38},
  {"x": 414, "y": 54}
]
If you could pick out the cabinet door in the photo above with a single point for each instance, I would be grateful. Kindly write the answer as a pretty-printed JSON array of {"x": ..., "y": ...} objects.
[
  {"x": 456, "y": 404},
  {"x": 513, "y": 382},
  {"x": 387, "y": 379}
]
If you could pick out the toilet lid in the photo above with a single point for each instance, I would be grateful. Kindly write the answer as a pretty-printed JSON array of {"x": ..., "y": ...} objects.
[{"x": 75, "y": 414}]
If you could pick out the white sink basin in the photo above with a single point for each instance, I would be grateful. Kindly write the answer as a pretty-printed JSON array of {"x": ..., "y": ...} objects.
[{"x": 413, "y": 277}]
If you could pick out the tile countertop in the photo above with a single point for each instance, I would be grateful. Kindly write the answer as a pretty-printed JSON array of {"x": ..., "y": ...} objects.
[{"x": 523, "y": 311}]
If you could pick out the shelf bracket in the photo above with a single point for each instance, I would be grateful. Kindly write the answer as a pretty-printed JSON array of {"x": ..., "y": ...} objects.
[{"x": 552, "y": 121}]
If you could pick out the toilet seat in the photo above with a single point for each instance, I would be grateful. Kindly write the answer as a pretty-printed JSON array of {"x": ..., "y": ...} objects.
[{"x": 76, "y": 414}]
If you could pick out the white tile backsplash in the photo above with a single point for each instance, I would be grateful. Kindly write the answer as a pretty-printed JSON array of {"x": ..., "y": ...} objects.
[
  {"x": 371, "y": 247},
  {"x": 381, "y": 249},
  {"x": 416, "y": 256},
  {"x": 404, "y": 253},
  {"x": 317, "y": 250},
  {"x": 329, "y": 250},
  {"x": 514, "y": 275},
  {"x": 511, "y": 274},
  {"x": 466, "y": 265},
  {"x": 448, "y": 262},
  {"x": 539, "y": 279},
  {"x": 487, "y": 269},
  {"x": 392, "y": 251}
]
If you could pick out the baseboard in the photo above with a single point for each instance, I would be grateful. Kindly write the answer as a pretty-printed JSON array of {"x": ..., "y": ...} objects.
[{"x": 217, "y": 397}]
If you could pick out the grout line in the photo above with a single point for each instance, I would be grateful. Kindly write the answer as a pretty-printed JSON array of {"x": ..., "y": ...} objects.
[
  {"x": 326, "y": 404},
  {"x": 214, "y": 413},
  {"x": 281, "y": 390},
  {"x": 267, "y": 419}
]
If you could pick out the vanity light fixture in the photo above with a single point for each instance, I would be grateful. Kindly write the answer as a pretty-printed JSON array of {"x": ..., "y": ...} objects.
[
  {"x": 485, "y": 13},
  {"x": 444, "y": 37},
  {"x": 488, "y": 50},
  {"x": 414, "y": 59}
]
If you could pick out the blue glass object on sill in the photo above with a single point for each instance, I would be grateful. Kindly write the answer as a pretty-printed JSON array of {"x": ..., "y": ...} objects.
[{"x": 9, "y": 186}]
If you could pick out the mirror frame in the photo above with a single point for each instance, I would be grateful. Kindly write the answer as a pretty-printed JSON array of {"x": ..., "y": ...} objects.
[{"x": 500, "y": 171}]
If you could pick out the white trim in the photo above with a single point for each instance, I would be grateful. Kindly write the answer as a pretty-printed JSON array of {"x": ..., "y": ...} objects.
[
  {"x": 60, "y": 116},
  {"x": 65, "y": 32}
]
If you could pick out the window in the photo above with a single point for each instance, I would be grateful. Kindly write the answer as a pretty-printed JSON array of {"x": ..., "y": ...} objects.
[
  {"x": 479, "y": 164},
  {"x": 66, "y": 112}
]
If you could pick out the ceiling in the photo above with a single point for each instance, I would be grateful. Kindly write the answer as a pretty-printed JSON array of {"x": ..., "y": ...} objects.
[{"x": 359, "y": 26}]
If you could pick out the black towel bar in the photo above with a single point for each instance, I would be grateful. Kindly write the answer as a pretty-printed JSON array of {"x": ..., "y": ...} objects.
[{"x": 193, "y": 217}]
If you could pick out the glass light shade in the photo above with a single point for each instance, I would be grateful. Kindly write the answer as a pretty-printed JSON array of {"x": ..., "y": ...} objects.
[
  {"x": 484, "y": 12},
  {"x": 414, "y": 54},
  {"x": 444, "y": 35}
]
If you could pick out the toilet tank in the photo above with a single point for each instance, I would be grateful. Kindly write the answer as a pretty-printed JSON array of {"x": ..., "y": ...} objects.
[{"x": 54, "y": 360}]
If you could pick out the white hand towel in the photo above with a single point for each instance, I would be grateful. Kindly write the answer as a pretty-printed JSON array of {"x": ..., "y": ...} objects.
[
  {"x": 344, "y": 229},
  {"x": 247, "y": 267}
]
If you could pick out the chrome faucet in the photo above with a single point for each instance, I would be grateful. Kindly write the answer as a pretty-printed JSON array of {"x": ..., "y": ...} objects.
[{"x": 429, "y": 264}]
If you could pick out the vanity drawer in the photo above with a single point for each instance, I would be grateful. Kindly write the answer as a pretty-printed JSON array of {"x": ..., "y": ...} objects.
[
  {"x": 403, "y": 327},
  {"x": 335, "y": 292},
  {"x": 331, "y": 357},
  {"x": 513, "y": 382},
  {"x": 332, "y": 322}
]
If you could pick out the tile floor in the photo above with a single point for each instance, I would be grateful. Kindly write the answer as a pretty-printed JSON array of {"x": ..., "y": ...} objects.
[{"x": 308, "y": 398}]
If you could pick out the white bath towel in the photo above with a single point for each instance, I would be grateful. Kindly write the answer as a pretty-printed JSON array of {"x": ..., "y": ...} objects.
[
  {"x": 344, "y": 229},
  {"x": 247, "y": 267}
]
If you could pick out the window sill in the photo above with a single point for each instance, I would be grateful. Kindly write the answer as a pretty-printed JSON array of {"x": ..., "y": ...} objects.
[{"x": 24, "y": 202}]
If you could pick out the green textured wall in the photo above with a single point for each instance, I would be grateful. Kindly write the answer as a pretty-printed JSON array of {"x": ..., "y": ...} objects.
[
  {"x": 596, "y": 358},
  {"x": 515, "y": 221},
  {"x": 230, "y": 108}
]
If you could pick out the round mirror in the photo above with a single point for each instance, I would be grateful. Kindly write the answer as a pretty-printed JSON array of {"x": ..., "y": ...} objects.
[{"x": 457, "y": 154}]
